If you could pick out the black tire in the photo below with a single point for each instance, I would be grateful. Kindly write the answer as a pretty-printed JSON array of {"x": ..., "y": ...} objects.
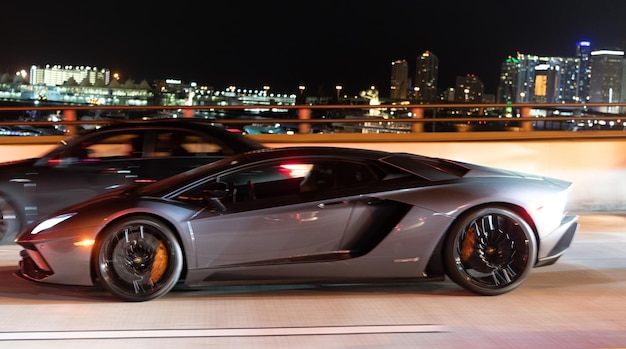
[
  {"x": 138, "y": 259},
  {"x": 490, "y": 251},
  {"x": 9, "y": 222}
]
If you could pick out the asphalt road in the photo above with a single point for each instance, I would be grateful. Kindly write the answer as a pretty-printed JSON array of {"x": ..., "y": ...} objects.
[{"x": 580, "y": 302}]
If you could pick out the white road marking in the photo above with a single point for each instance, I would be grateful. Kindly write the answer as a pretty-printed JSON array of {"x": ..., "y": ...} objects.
[{"x": 221, "y": 332}]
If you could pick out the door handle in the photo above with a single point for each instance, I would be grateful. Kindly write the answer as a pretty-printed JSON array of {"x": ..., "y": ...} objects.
[{"x": 332, "y": 203}]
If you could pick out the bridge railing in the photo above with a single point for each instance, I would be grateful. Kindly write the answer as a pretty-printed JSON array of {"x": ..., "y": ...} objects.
[
  {"x": 366, "y": 120},
  {"x": 592, "y": 158}
]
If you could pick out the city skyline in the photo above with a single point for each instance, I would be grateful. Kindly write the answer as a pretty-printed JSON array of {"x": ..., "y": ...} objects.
[{"x": 320, "y": 46}]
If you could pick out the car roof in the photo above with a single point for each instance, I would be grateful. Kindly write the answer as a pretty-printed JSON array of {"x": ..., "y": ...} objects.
[
  {"x": 239, "y": 141},
  {"x": 427, "y": 167},
  {"x": 165, "y": 122},
  {"x": 321, "y": 151},
  {"x": 422, "y": 166}
]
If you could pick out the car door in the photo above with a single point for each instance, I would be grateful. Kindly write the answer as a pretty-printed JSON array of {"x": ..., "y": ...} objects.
[
  {"x": 268, "y": 220},
  {"x": 85, "y": 169}
]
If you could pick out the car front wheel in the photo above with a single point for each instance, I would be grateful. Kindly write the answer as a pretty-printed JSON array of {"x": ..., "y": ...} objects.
[
  {"x": 490, "y": 251},
  {"x": 138, "y": 259}
]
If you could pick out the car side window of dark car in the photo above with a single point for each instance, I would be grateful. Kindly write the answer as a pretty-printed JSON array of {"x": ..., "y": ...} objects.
[
  {"x": 179, "y": 143},
  {"x": 110, "y": 146},
  {"x": 120, "y": 145}
]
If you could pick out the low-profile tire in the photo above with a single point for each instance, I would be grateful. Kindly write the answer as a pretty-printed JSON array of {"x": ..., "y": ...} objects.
[
  {"x": 490, "y": 251},
  {"x": 9, "y": 221},
  {"x": 138, "y": 259}
]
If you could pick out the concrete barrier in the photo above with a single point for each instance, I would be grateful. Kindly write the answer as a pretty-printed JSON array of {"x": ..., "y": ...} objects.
[{"x": 596, "y": 166}]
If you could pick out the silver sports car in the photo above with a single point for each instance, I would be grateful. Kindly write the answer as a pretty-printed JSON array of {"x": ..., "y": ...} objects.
[{"x": 307, "y": 215}]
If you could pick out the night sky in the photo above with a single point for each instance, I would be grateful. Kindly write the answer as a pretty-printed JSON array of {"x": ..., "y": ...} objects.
[{"x": 284, "y": 44}]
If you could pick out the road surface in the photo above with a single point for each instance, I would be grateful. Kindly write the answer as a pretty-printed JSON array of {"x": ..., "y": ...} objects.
[{"x": 580, "y": 302}]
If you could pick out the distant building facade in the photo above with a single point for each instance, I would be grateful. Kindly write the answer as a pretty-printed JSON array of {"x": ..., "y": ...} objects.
[
  {"x": 426, "y": 78},
  {"x": 535, "y": 79},
  {"x": 591, "y": 76},
  {"x": 400, "y": 82},
  {"x": 92, "y": 86},
  {"x": 583, "y": 72},
  {"x": 57, "y": 75},
  {"x": 607, "y": 77},
  {"x": 468, "y": 89}
]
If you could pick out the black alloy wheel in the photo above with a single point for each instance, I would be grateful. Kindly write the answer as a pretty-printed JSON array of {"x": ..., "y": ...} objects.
[
  {"x": 138, "y": 259},
  {"x": 490, "y": 251}
]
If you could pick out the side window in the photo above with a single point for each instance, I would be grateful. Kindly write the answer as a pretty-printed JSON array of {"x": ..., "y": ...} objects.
[
  {"x": 266, "y": 182},
  {"x": 287, "y": 182},
  {"x": 252, "y": 185},
  {"x": 354, "y": 175},
  {"x": 108, "y": 147},
  {"x": 284, "y": 179},
  {"x": 177, "y": 143},
  {"x": 329, "y": 175}
]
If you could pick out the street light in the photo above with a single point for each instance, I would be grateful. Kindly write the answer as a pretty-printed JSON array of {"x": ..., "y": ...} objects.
[
  {"x": 301, "y": 99},
  {"x": 338, "y": 88}
]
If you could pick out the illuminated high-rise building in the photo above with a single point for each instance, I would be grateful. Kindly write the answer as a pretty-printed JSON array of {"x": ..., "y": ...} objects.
[
  {"x": 568, "y": 82},
  {"x": 399, "y": 79},
  {"x": 517, "y": 78},
  {"x": 583, "y": 72},
  {"x": 508, "y": 75},
  {"x": 551, "y": 84},
  {"x": 426, "y": 75},
  {"x": 605, "y": 85},
  {"x": 468, "y": 89},
  {"x": 528, "y": 78}
]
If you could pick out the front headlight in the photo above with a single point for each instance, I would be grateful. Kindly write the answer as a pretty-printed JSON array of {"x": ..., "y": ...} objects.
[{"x": 49, "y": 223}]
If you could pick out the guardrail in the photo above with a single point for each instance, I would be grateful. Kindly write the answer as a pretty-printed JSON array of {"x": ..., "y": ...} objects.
[
  {"x": 594, "y": 160},
  {"x": 350, "y": 119}
]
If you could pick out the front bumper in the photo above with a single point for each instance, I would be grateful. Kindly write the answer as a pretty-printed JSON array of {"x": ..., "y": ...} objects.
[
  {"x": 33, "y": 267},
  {"x": 47, "y": 263}
]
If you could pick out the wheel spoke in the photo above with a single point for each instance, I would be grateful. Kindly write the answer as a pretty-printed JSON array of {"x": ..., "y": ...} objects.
[
  {"x": 139, "y": 289},
  {"x": 503, "y": 276}
]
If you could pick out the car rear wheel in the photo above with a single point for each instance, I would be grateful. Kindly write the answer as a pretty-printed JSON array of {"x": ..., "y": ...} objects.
[
  {"x": 138, "y": 259},
  {"x": 9, "y": 222},
  {"x": 490, "y": 251}
]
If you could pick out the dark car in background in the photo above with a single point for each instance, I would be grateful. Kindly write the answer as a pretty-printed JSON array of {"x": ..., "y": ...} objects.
[{"x": 107, "y": 158}]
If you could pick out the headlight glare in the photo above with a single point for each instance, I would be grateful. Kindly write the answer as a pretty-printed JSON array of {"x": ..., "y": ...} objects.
[{"x": 49, "y": 223}]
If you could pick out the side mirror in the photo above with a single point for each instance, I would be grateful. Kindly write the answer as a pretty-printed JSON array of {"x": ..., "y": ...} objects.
[{"x": 217, "y": 190}]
